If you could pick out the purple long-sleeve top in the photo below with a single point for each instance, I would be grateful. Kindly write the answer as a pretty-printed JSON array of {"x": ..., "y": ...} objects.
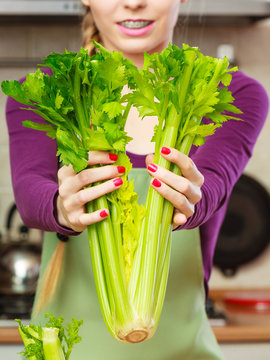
[{"x": 221, "y": 160}]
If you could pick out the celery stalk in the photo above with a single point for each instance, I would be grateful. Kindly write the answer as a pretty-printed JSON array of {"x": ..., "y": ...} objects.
[
  {"x": 51, "y": 344},
  {"x": 27, "y": 341},
  {"x": 110, "y": 254},
  {"x": 147, "y": 282},
  {"x": 163, "y": 261},
  {"x": 53, "y": 341},
  {"x": 98, "y": 271}
]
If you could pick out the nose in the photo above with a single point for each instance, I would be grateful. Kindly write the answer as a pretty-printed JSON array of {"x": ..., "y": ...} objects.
[{"x": 134, "y": 4}]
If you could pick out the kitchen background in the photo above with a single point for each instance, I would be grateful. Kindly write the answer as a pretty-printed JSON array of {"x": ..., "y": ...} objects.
[{"x": 25, "y": 40}]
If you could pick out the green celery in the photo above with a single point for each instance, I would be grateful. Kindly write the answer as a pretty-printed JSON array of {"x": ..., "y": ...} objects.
[
  {"x": 53, "y": 341},
  {"x": 51, "y": 344},
  {"x": 98, "y": 271},
  {"x": 84, "y": 110}
]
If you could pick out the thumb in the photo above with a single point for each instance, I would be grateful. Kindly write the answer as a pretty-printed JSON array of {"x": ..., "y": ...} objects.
[{"x": 149, "y": 159}]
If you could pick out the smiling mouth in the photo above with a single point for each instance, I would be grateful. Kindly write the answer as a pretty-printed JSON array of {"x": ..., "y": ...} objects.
[{"x": 135, "y": 24}]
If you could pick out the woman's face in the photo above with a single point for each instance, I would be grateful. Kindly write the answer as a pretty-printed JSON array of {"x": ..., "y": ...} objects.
[{"x": 134, "y": 26}]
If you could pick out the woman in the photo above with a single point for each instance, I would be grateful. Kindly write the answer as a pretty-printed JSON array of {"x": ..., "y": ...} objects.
[{"x": 54, "y": 200}]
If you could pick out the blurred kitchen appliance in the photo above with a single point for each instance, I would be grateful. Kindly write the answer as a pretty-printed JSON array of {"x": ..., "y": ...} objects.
[
  {"x": 245, "y": 232},
  {"x": 20, "y": 257}
]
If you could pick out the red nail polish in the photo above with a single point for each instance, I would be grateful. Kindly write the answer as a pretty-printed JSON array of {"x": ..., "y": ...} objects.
[
  {"x": 156, "y": 183},
  {"x": 121, "y": 169},
  {"x": 165, "y": 150},
  {"x": 152, "y": 167},
  {"x": 118, "y": 181},
  {"x": 103, "y": 213},
  {"x": 113, "y": 157}
]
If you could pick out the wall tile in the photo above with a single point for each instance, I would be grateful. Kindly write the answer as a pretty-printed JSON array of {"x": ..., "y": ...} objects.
[
  {"x": 8, "y": 74},
  {"x": 13, "y": 41},
  {"x": 46, "y": 39},
  {"x": 5, "y": 178},
  {"x": 3, "y": 127},
  {"x": 6, "y": 201}
]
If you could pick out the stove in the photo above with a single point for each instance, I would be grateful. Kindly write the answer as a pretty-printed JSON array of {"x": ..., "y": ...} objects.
[{"x": 15, "y": 306}]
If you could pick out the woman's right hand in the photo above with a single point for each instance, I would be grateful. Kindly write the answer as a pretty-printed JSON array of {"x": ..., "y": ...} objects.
[{"x": 73, "y": 195}]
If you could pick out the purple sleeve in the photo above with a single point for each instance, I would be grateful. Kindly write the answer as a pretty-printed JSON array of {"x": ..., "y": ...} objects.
[
  {"x": 222, "y": 159},
  {"x": 34, "y": 168}
]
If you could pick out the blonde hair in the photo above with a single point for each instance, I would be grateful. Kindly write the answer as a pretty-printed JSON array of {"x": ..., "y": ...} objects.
[
  {"x": 50, "y": 278},
  {"x": 89, "y": 32},
  {"x": 52, "y": 272}
]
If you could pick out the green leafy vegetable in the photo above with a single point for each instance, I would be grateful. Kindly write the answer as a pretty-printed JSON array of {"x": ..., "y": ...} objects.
[
  {"x": 84, "y": 110},
  {"x": 53, "y": 341}
]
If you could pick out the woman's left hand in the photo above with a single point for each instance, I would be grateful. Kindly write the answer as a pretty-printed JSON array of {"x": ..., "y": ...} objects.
[{"x": 184, "y": 192}]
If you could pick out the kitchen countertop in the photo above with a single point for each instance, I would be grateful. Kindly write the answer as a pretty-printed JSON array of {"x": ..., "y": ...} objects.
[
  {"x": 238, "y": 333},
  {"x": 224, "y": 334},
  {"x": 9, "y": 333}
]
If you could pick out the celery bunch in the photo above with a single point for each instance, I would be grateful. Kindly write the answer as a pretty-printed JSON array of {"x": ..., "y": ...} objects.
[
  {"x": 53, "y": 341},
  {"x": 84, "y": 110}
]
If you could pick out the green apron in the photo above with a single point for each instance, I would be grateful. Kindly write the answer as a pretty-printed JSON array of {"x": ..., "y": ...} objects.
[{"x": 183, "y": 331}]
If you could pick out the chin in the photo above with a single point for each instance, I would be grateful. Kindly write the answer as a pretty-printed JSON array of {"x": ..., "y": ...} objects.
[{"x": 138, "y": 46}]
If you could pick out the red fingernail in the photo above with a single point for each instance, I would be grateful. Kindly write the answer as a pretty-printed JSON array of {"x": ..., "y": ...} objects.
[
  {"x": 103, "y": 213},
  {"x": 156, "y": 183},
  {"x": 118, "y": 181},
  {"x": 121, "y": 169},
  {"x": 152, "y": 167},
  {"x": 113, "y": 157},
  {"x": 165, "y": 150}
]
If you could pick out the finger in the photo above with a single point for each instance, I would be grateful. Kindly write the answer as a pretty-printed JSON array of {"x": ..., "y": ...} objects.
[
  {"x": 101, "y": 157},
  {"x": 179, "y": 183},
  {"x": 89, "y": 176},
  {"x": 65, "y": 172},
  {"x": 94, "y": 217},
  {"x": 178, "y": 219},
  {"x": 178, "y": 200},
  {"x": 92, "y": 193},
  {"x": 149, "y": 158},
  {"x": 94, "y": 158},
  {"x": 78, "y": 220},
  {"x": 185, "y": 163}
]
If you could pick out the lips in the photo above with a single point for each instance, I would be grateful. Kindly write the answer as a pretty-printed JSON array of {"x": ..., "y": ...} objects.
[
  {"x": 135, "y": 27},
  {"x": 135, "y": 24}
]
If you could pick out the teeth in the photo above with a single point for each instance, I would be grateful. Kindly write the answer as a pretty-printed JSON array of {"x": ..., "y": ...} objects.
[{"x": 135, "y": 24}]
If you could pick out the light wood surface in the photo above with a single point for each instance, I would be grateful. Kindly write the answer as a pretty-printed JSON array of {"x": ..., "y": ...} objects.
[
  {"x": 235, "y": 333},
  {"x": 224, "y": 334},
  {"x": 10, "y": 335}
]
